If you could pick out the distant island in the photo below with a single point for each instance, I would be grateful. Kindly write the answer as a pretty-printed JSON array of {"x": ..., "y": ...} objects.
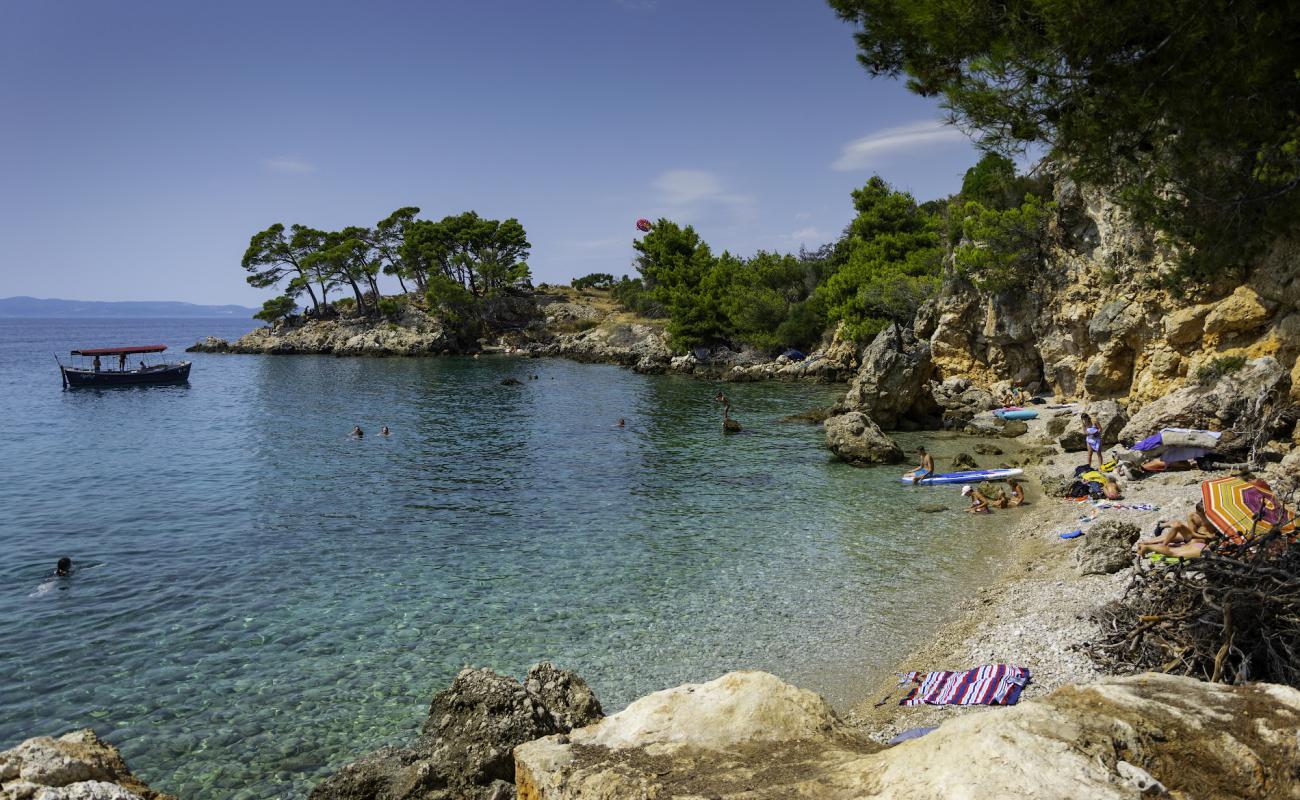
[{"x": 35, "y": 307}]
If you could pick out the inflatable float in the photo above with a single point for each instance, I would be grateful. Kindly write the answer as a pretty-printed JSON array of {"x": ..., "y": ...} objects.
[{"x": 969, "y": 476}]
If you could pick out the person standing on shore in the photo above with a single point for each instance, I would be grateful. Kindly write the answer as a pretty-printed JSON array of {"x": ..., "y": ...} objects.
[
  {"x": 1092, "y": 438},
  {"x": 726, "y": 406}
]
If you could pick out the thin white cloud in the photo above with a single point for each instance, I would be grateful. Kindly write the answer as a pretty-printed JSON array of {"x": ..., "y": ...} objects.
[
  {"x": 287, "y": 165},
  {"x": 866, "y": 152},
  {"x": 689, "y": 192}
]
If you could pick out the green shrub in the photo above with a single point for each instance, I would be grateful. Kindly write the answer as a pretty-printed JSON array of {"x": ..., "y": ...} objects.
[
  {"x": 390, "y": 307},
  {"x": 596, "y": 280},
  {"x": 1210, "y": 372},
  {"x": 277, "y": 308}
]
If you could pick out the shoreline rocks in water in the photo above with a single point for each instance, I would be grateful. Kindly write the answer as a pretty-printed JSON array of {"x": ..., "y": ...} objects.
[
  {"x": 75, "y": 766},
  {"x": 465, "y": 748}
]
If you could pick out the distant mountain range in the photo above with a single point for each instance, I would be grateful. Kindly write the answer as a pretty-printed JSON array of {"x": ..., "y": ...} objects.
[{"x": 12, "y": 307}]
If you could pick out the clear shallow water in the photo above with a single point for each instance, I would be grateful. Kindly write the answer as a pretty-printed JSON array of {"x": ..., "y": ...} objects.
[{"x": 261, "y": 599}]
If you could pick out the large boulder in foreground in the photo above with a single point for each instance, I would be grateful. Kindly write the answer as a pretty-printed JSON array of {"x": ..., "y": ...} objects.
[
  {"x": 75, "y": 766},
  {"x": 894, "y": 378},
  {"x": 1106, "y": 547},
  {"x": 854, "y": 438},
  {"x": 748, "y": 735},
  {"x": 1219, "y": 406},
  {"x": 465, "y": 747}
]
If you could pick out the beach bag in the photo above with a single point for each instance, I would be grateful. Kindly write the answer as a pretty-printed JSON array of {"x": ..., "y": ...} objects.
[{"x": 1077, "y": 489}]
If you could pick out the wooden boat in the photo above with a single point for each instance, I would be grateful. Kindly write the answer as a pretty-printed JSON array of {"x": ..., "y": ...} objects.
[{"x": 138, "y": 375}]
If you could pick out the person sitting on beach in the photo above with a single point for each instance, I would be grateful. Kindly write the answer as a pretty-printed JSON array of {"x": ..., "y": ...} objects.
[
  {"x": 64, "y": 568},
  {"x": 1015, "y": 497},
  {"x": 979, "y": 504},
  {"x": 384, "y": 431},
  {"x": 925, "y": 470},
  {"x": 357, "y": 433}
]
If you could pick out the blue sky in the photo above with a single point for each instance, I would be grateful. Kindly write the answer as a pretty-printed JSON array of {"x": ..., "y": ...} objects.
[{"x": 142, "y": 143}]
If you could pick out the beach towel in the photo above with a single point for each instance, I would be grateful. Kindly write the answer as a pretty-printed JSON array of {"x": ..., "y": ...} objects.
[
  {"x": 994, "y": 684},
  {"x": 1126, "y": 506}
]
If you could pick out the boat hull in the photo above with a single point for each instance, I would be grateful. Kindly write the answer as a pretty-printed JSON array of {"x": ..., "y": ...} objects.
[{"x": 165, "y": 374}]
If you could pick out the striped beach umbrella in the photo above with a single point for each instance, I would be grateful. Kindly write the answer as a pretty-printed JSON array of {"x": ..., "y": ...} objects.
[{"x": 1237, "y": 507}]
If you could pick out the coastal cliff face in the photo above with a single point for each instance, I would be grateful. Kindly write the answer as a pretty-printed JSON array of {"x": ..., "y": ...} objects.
[{"x": 1096, "y": 323}]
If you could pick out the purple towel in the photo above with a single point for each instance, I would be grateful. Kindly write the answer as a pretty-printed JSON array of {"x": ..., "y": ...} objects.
[
  {"x": 994, "y": 684},
  {"x": 1150, "y": 443}
]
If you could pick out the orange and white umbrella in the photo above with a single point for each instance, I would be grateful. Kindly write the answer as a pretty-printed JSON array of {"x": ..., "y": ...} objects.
[{"x": 1238, "y": 507}]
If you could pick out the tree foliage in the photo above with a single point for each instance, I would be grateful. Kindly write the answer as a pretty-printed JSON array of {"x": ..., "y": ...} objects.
[
  {"x": 596, "y": 280},
  {"x": 1001, "y": 250},
  {"x": 482, "y": 257},
  {"x": 277, "y": 308},
  {"x": 1188, "y": 109}
]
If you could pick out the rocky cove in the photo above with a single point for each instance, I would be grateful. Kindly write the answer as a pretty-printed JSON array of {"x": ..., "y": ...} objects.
[{"x": 1092, "y": 335}]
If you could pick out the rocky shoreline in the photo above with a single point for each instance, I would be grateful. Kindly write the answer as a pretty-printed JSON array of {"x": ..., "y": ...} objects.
[{"x": 553, "y": 322}]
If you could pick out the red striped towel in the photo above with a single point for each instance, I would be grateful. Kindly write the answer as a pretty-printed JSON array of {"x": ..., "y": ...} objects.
[{"x": 994, "y": 684}]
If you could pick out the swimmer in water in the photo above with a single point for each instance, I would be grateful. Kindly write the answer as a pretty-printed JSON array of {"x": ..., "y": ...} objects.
[
  {"x": 384, "y": 431},
  {"x": 622, "y": 422},
  {"x": 64, "y": 568},
  {"x": 357, "y": 433},
  {"x": 726, "y": 405}
]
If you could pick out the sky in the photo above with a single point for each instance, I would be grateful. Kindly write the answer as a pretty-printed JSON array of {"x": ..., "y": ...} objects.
[{"x": 143, "y": 143}]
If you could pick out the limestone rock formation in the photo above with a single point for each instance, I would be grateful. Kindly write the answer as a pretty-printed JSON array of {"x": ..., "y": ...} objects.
[
  {"x": 1216, "y": 407},
  {"x": 855, "y": 438},
  {"x": 415, "y": 333},
  {"x": 464, "y": 751},
  {"x": 1106, "y": 547},
  {"x": 893, "y": 380},
  {"x": 611, "y": 342},
  {"x": 748, "y": 735},
  {"x": 75, "y": 766},
  {"x": 959, "y": 399}
]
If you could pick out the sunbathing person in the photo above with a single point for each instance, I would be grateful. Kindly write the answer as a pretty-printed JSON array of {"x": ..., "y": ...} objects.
[
  {"x": 1192, "y": 549},
  {"x": 1160, "y": 465},
  {"x": 1177, "y": 532},
  {"x": 1017, "y": 495}
]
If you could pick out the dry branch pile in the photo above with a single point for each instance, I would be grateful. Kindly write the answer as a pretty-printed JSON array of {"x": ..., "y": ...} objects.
[{"x": 1232, "y": 615}]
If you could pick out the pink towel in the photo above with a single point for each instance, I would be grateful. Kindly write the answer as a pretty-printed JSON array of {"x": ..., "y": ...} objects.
[{"x": 994, "y": 684}]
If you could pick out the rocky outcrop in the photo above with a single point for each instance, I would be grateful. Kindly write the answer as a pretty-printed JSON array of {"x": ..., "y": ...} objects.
[
  {"x": 834, "y": 363},
  {"x": 626, "y": 343},
  {"x": 464, "y": 751},
  {"x": 854, "y": 438},
  {"x": 959, "y": 400},
  {"x": 75, "y": 766},
  {"x": 414, "y": 333},
  {"x": 748, "y": 735},
  {"x": 893, "y": 381},
  {"x": 1095, "y": 322},
  {"x": 1106, "y": 547},
  {"x": 1233, "y": 398}
]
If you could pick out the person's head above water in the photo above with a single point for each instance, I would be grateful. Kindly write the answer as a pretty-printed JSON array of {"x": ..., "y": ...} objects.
[
  {"x": 384, "y": 431},
  {"x": 621, "y": 422},
  {"x": 64, "y": 567},
  {"x": 356, "y": 431}
]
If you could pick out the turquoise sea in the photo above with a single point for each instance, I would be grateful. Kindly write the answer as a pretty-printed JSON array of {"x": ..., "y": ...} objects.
[{"x": 259, "y": 598}]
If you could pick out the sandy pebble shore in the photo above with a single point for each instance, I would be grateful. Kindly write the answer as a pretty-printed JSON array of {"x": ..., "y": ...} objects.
[{"x": 1038, "y": 609}]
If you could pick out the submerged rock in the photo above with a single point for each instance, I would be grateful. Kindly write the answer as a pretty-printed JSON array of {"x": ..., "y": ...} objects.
[
  {"x": 964, "y": 461},
  {"x": 855, "y": 438},
  {"x": 75, "y": 766},
  {"x": 749, "y": 735},
  {"x": 464, "y": 750}
]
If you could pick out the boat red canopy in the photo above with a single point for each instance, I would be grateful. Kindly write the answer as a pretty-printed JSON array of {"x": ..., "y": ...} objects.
[{"x": 120, "y": 351}]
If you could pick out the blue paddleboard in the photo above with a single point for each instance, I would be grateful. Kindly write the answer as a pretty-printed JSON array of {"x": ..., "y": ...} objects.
[
  {"x": 969, "y": 476},
  {"x": 1017, "y": 413}
]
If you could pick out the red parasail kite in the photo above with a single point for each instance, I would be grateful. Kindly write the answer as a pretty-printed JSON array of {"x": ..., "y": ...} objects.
[{"x": 643, "y": 225}]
